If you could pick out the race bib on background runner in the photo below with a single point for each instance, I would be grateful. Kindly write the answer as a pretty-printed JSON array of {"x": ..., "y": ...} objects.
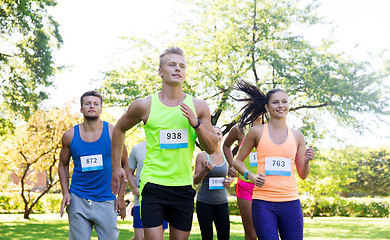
[
  {"x": 278, "y": 166},
  {"x": 173, "y": 138},
  {"x": 91, "y": 163},
  {"x": 216, "y": 183},
  {"x": 253, "y": 159}
]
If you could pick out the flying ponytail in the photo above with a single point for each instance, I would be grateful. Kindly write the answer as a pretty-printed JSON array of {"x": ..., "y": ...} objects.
[{"x": 255, "y": 106}]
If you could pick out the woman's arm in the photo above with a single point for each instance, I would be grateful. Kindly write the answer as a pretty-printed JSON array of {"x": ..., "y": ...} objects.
[
  {"x": 303, "y": 156},
  {"x": 231, "y": 137},
  {"x": 251, "y": 140},
  {"x": 201, "y": 167}
]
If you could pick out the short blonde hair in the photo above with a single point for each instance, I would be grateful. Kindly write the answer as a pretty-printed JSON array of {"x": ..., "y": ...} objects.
[{"x": 169, "y": 51}]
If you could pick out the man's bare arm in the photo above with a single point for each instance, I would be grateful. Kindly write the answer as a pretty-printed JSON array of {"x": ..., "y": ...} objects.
[
  {"x": 205, "y": 132},
  {"x": 63, "y": 169},
  {"x": 135, "y": 113}
]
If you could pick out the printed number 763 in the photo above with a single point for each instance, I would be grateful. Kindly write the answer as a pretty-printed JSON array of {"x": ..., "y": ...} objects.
[{"x": 278, "y": 163}]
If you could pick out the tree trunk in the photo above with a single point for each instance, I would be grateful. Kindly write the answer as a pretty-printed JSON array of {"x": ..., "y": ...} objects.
[{"x": 27, "y": 211}]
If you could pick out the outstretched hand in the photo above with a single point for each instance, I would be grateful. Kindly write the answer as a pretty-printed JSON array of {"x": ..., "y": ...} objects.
[{"x": 117, "y": 175}]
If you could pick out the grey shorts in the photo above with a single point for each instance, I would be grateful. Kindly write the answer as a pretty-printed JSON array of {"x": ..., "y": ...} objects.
[{"x": 85, "y": 214}]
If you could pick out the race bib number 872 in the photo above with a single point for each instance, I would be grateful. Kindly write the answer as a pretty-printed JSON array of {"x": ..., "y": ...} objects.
[{"x": 91, "y": 163}]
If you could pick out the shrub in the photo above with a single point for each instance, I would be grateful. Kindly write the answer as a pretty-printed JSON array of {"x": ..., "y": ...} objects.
[
  {"x": 349, "y": 207},
  {"x": 11, "y": 202}
]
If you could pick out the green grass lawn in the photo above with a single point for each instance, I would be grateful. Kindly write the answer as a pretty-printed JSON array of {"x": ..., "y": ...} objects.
[{"x": 51, "y": 226}]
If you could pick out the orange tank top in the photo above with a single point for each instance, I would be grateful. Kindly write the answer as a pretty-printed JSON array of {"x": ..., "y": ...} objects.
[{"x": 277, "y": 162}]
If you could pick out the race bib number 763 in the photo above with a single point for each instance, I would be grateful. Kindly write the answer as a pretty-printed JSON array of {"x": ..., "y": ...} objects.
[{"x": 278, "y": 166}]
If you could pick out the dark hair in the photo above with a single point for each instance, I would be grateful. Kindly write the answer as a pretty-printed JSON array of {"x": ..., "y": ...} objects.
[
  {"x": 170, "y": 50},
  {"x": 91, "y": 93},
  {"x": 256, "y": 101}
]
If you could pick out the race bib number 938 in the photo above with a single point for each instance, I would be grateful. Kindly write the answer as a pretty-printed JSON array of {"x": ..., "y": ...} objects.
[{"x": 173, "y": 138}]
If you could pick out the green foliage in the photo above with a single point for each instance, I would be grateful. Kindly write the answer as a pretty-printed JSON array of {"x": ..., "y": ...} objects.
[
  {"x": 348, "y": 207},
  {"x": 330, "y": 173},
  {"x": 257, "y": 41},
  {"x": 233, "y": 207},
  {"x": 372, "y": 172},
  {"x": 28, "y": 36},
  {"x": 6, "y": 127},
  {"x": 12, "y": 202},
  {"x": 35, "y": 148},
  {"x": 351, "y": 171},
  {"x": 123, "y": 86}
]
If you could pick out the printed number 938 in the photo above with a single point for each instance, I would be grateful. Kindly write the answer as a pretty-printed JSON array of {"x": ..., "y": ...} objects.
[{"x": 173, "y": 135}]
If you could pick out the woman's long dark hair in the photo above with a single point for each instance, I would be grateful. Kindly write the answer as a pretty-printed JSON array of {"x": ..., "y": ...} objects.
[
  {"x": 256, "y": 101},
  {"x": 255, "y": 106}
]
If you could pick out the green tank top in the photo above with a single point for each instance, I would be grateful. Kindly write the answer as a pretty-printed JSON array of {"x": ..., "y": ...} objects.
[
  {"x": 250, "y": 162},
  {"x": 170, "y": 143}
]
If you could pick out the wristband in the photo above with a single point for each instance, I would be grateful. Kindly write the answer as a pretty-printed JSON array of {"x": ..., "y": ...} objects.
[
  {"x": 246, "y": 174},
  {"x": 199, "y": 122}
]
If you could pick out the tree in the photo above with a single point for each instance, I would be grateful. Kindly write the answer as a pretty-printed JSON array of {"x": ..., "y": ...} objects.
[
  {"x": 253, "y": 40},
  {"x": 28, "y": 36},
  {"x": 330, "y": 175},
  {"x": 371, "y": 170},
  {"x": 347, "y": 171},
  {"x": 34, "y": 148}
]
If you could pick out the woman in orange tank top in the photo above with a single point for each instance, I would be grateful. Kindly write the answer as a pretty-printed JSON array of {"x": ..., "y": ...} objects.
[{"x": 276, "y": 208}]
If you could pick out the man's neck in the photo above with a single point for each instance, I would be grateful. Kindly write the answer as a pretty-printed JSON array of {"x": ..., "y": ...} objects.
[
  {"x": 91, "y": 125},
  {"x": 171, "y": 96}
]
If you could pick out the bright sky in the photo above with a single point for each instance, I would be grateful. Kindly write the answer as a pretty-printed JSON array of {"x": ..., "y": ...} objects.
[{"x": 91, "y": 31}]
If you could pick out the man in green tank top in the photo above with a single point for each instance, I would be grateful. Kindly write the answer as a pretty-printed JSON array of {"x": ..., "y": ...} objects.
[{"x": 172, "y": 121}]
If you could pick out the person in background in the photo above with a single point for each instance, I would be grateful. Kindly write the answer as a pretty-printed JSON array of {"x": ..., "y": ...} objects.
[
  {"x": 244, "y": 187},
  {"x": 212, "y": 203},
  {"x": 136, "y": 163},
  {"x": 89, "y": 201}
]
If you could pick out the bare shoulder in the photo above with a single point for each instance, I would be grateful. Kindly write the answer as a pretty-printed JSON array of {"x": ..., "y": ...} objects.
[
  {"x": 201, "y": 158},
  {"x": 141, "y": 103},
  {"x": 257, "y": 129},
  {"x": 298, "y": 135},
  {"x": 139, "y": 109},
  {"x": 236, "y": 132},
  {"x": 110, "y": 128},
  {"x": 255, "y": 133},
  {"x": 201, "y": 106},
  {"x": 67, "y": 137}
]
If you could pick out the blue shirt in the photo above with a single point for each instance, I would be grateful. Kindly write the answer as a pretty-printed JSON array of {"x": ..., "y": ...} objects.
[{"x": 92, "y": 170}]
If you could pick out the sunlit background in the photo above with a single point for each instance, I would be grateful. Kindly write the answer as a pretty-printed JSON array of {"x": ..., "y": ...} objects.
[{"x": 92, "y": 29}]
